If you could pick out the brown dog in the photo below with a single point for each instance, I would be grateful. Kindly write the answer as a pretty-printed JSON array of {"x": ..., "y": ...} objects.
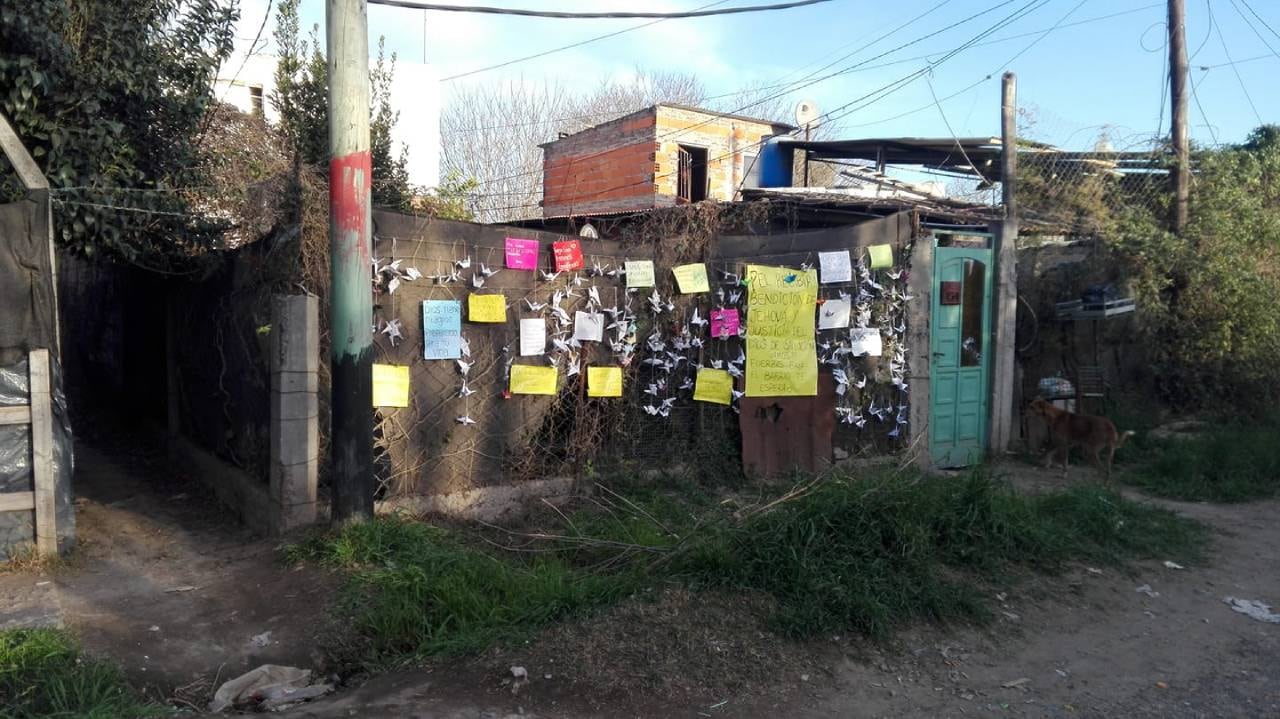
[{"x": 1094, "y": 434}]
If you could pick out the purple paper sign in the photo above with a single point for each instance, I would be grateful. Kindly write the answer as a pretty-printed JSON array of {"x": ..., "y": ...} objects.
[
  {"x": 724, "y": 323},
  {"x": 522, "y": 254}
]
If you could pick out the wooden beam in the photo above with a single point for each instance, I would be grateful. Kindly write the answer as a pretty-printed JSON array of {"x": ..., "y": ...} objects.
[
  {"x": 17, "y": 501},
  {"x": 23, "y": 164},
  {"x": 1004, "y": 370},
  {"x": 20, "y": 414},
  {"x": 42, "y": 454}
]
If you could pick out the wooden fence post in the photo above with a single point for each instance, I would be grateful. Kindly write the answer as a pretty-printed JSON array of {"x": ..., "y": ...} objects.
[{"x": 42, "y": 471}]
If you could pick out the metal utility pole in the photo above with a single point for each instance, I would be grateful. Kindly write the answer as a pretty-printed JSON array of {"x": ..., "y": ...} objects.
[
  {"x": 350, "y": 250},
  {"x": 1004, "y": 379},
  {"x": 1178, "y": 102}
]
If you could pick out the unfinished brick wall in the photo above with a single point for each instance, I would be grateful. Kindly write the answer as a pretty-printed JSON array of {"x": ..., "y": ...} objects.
[
  {"x": 632, "y": 163},
  {"x": 604, "y": 168},
  {"x": 728, "y": 141}
]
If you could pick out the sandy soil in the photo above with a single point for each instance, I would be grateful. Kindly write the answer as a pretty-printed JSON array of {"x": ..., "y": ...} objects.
[
  {"x": 166, "y": 584},
  {"x": 1084, "y": 644}
]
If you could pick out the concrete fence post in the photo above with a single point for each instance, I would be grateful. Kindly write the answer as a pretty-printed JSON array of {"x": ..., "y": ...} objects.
[{"x": 295, "y": 440}]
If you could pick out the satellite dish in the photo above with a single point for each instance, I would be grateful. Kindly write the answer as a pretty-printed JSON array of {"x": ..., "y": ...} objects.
[{"x": 806, "y": 112}]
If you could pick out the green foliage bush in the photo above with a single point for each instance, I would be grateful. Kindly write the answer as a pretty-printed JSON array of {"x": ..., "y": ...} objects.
[{"x": 43, "y": 674}]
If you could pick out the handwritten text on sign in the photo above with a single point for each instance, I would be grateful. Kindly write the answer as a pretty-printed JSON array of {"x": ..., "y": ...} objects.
[{"x": 782, "y": 358}]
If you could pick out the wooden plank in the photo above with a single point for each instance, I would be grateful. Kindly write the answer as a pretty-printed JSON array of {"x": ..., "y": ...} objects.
[
  {"x": 24, "y": 166},
  {"x": 21, "y": 414},
  {"x": 42, "y": 454},
  {"x": 17, "y": 501}
]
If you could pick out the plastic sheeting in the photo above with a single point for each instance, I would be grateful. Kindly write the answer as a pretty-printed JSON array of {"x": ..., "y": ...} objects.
[{"x": 17, "y": 529}]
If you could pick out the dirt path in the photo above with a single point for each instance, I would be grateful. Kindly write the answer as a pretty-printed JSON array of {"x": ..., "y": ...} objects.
[
  {"x": 1081, "y": 645},
  {"x": 166, "y": 584}
]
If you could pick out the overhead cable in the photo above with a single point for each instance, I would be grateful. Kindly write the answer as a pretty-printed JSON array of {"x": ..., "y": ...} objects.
[{"x": 592, "y": 15}]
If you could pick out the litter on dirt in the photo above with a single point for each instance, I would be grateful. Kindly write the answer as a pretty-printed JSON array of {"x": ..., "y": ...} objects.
[
  {"x": 270, "y": 687},
  {"x": 1146, "y": 589},
  {"x": 1172, "y": 565},
  {"x": 1015, "y": 683},
  {"x": 1253, "y": 609},
  {"x": 183, "y": 588}
]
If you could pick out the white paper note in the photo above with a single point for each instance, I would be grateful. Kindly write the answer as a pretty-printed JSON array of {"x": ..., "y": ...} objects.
[
  {"x": 588, "y": 326},
  {"x": 833, "y": 314},
  {"x": 865, "y": 341},
  {"x": 533, "y": 336},
  {"x": 835, "y": 266}
]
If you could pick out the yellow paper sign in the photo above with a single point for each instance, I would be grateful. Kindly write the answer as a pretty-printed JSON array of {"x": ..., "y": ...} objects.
[
  {"x": 604, "y": 381},
  {"x": 528, "y": 379},
  {"x": 692, "y": 278},
  {"x": 487, "y": 308},
  {"x": 390, "y": 386},
  {"x": 639, "y": 273},
  {"x": 713, "y": 385},
  {"x": 782, "y": 359},
  {"x": 881, "y": 256}
]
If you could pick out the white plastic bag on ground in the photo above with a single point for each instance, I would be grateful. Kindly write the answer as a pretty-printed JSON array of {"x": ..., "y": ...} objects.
[{"x": 269, "y": 686}]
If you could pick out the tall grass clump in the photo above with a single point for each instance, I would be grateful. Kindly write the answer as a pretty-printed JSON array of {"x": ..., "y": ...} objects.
[
  {"x": 1233, "y": 462},
  {"x": 870, "y": 555},
  {"x": 43, "y": 674}
]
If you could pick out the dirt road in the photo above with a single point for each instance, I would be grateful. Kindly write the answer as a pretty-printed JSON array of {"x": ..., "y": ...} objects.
[
  {"x": 169, "y": 589},
  {"x": 1086, "y": 644}
]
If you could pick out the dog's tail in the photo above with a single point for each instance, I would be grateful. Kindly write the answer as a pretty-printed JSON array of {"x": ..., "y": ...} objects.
[{"x": 1123, "y": 436}]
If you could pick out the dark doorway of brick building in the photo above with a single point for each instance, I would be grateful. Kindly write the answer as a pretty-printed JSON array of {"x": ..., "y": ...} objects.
[{"x": 692, "y": 186}]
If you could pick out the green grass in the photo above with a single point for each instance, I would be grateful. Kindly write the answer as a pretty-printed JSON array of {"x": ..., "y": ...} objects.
[
  {"x": 874, "y": 554},
  {"x": 43, "y": 674},
  {"x": 1232, "y": 463},
  {"x": 862, "y": 554},
  {"x": 415, "y": 590}
]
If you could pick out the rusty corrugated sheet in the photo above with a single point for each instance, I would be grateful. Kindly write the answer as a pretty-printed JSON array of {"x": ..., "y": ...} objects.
[{"x": 780, "y": 434}]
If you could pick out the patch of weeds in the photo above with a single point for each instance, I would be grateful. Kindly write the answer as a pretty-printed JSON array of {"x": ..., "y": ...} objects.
[
  {"x": 43, "y": 674},
  {"x": 415, "y": 590},
  {"x": 865, "y": 553},
  {"x": 1232, "y": 463},
  {"x": 872, "y": 554}
]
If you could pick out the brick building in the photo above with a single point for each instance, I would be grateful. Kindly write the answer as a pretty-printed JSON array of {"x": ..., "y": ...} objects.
[{"x": 659, "y": 156}]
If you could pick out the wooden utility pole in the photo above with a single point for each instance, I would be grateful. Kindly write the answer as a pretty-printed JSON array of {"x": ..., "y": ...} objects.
[
  {"x": 1178, "y": 103},
  {"x": 1004, "y": 370},
  {"x": 350, "y": 252}
]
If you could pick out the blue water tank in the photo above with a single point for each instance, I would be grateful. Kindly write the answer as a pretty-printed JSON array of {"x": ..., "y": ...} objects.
[{"x": 776, "y": 162}]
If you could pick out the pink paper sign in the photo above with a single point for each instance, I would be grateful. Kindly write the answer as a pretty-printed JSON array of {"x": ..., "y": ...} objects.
[
  {"x": 522, "y": 254},
  {"x": 724, "y": 323}
]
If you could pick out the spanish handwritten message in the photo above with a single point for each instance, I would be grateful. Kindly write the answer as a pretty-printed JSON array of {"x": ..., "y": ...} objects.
[
  {"x": 441, "y": 329},
  {"x": 782, "y": 359}
]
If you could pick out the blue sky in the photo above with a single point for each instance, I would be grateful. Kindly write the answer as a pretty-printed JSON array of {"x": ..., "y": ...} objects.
[{"x": 1077, "y": 79}]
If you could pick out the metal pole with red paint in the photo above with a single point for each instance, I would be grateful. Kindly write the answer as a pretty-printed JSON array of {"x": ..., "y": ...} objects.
[{"x": 350, "y": 260}]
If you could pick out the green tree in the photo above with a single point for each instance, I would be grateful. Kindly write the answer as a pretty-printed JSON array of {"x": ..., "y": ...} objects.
[
  {"x": 1207, "y": 299},
  {"x": 301, "y": 98},
  {"x": 114, "y": 94}
]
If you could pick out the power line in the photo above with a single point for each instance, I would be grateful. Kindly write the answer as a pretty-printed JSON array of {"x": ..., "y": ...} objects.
[
  {"x": 1027, "y": 8},
  {"x": 866, "y": 99},
  {"x": 1261, "y": 38},
  {"x": 593, "y": 15},
  {"x": 1218, "y": 29},
  {"x": 570, "y": 46},
  {"x": 864, "y": 68},
  {"x": 1264, "y": 22}
]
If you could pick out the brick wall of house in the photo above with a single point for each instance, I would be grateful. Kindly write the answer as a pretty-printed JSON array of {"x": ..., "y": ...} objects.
[
  {"x": 631, "y": 163},
  {"x": 604, "y": 168},
  {"x": 728, "y": 142}
]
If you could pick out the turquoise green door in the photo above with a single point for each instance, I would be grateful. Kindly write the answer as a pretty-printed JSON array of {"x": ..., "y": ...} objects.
[{"x": 960, "y": 342}]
